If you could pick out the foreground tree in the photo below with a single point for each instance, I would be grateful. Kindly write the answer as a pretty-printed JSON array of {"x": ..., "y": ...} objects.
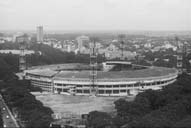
[
  {"x": 99, "y": 120},
  {"x": 167, "y": 108},
  {"x": 1, "y": 120}
]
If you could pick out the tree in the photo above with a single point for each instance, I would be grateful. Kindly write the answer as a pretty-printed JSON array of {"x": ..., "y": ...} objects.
[
  {"x": 99, "y": 119},
  {"x": 17, "y": 96},
  {"x": 168, "y": 108},
  {"x": 184, "y": 123},
  {"x": 151, "y": 121},
  {"x": 1, "y": 120}
]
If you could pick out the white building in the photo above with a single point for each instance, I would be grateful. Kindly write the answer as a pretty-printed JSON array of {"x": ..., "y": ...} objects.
[
  {"x": 148, "y": 45},
  {"x": 2, "y": 41},
  {"x": 49, "y": 43},
  {"x": 167, "y": 45},
  {"x": 57, "y": 45},
  {"x": 17, "y": 52},
  {"x": 82, "y": 41}
]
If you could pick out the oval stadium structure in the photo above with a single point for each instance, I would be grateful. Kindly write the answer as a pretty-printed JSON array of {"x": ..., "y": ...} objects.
[{"x": 75, "y": 79}]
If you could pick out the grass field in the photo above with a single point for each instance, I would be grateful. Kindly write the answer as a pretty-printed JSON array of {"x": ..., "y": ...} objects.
[{"x": 76, "y": 105}]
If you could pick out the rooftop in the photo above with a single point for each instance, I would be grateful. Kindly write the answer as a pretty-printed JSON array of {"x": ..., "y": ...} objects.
[
  {"x": 144, "y": 73},
  {"x": 72, "y": 71},
  {"x": 66, "y": 66},
  {"x": 42, "y": 72}
]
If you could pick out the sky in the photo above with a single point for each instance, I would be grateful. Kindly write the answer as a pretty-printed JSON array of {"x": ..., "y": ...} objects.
[{"x": 96, "y": 14}]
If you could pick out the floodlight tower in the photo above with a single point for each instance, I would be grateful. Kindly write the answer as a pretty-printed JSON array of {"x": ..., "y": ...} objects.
[
  {"x": 93, "y": 65},
  {"x": 121, "y": 39},
  {"x": 22, "y": 40},
  {"x": 179, "y": 64}
]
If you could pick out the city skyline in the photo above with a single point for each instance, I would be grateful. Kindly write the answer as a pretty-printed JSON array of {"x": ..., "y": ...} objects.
[{"x": 89, "y": 15}]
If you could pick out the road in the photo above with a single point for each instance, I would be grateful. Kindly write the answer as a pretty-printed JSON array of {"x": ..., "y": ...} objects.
[{"x": 8, "y": 119}]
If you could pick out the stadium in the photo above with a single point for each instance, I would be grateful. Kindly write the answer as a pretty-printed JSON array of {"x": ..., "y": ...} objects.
[{"x": 113, "y": 78}]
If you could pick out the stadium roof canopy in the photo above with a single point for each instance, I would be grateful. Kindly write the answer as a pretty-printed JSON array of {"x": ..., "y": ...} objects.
[{"x": 144, "y": 73}]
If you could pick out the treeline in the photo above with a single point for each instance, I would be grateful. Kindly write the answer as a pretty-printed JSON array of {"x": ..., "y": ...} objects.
[
  {"x": 16, "y": 93},
  {"x": 30, "y": 112},
  {"x": 65, "y": 57},
  {"x": 166, "y": 108},
  {"x": 51, "y": 55},
  {"x": 161, "y": 56},
  {"x": 1, "y": 120},
  {"x": 8, "y": 65},
  {"x": 44, "y": 55},
  {"x": 9, "y": 45},
  {"x": 73, "y": 36}
]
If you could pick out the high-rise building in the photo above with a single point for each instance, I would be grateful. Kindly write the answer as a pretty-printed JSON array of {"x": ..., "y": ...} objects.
[
  {"x": 40, "y": 34},
  {"x": 82, "y": 41}
]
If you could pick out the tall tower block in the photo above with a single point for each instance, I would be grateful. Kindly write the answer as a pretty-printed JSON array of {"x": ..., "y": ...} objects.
[{"x": 39, "y": 34}]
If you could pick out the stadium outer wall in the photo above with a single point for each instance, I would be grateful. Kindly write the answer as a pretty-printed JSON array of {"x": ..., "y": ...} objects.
[{"x": 104, "y": 87}]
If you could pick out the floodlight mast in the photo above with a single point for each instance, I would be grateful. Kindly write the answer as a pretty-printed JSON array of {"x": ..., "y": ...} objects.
[
  {"x": 23, "y": 41},
  {"x": 179, "y": 55},
  {"x": 121, "y": 39},
  {"x": 93, "y": 65}
]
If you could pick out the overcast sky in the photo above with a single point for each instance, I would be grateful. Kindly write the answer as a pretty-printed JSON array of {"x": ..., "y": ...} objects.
[{"x": 96, "y": 14}]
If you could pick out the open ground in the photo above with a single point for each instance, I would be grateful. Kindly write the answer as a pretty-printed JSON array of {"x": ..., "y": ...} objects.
[{"x": 65, "y": 105}]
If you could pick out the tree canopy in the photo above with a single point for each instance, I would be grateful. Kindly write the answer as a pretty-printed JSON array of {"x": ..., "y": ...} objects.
[{"x": 166, "y": 108}]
